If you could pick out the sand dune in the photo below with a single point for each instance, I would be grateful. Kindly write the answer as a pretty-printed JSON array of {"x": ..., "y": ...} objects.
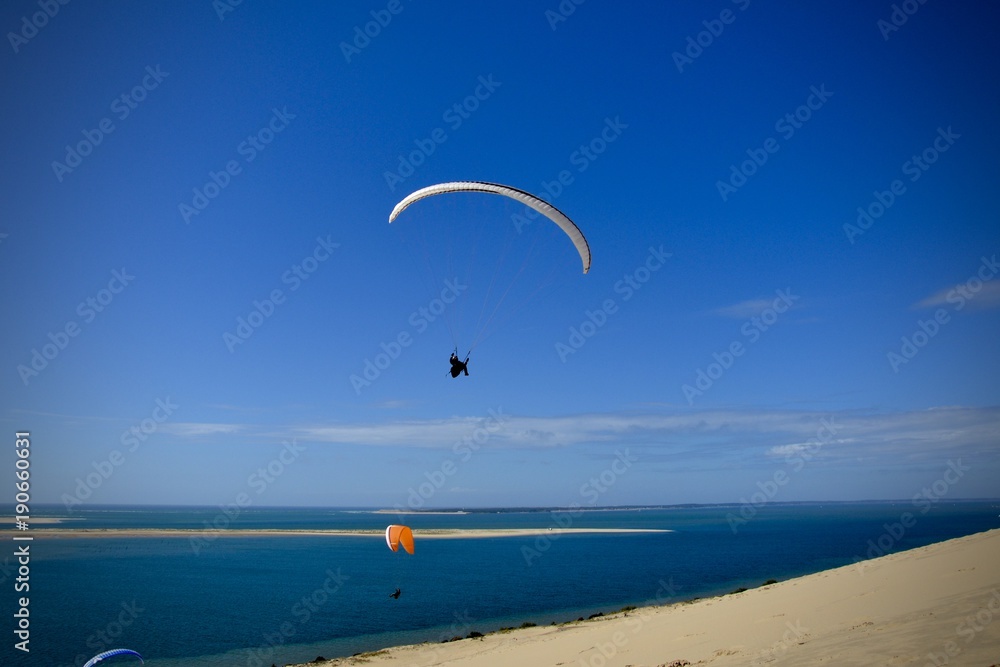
[{"x": 936, "y": 605}]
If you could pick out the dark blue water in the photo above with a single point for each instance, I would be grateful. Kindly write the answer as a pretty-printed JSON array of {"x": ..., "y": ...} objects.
[{"x": 262, "y": 600}]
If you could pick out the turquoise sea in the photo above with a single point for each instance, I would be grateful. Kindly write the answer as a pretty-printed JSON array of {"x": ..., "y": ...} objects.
[{"x": 257, "y": 601}]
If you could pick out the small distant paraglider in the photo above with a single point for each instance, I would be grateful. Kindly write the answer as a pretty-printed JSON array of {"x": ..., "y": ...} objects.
[{"x": 112, "y": 653}]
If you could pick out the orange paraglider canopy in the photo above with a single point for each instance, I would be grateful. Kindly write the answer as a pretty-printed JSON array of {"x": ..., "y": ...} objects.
[{"x": 396, "y": 535}]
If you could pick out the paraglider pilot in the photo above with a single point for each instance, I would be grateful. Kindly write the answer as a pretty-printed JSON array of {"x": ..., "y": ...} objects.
[{"x": 457, "y": 366}]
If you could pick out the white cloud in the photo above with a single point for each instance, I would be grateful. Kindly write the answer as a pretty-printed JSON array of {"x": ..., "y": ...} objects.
[
  {"x": 744, "y": 309},
  {"x": 705, "y": 440},
  {"x": 782, "y": 451},
  {"x": 712, "y": 435},
  {"x": 194, "y": 429},
  {"x": 987, "y": 296}
]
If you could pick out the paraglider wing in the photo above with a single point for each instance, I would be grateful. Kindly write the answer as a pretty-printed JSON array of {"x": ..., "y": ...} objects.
[
  {"x": 396, "y": 535},
  {"x": 110, "y": 654},
  {"x": 526, "y": 198}
]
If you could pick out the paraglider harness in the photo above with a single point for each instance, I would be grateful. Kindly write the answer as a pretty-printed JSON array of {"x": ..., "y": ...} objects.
[{"x": 458, "y": 367}]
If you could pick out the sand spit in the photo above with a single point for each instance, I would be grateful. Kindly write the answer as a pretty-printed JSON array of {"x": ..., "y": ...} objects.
[{"x": 430, "y": 533}]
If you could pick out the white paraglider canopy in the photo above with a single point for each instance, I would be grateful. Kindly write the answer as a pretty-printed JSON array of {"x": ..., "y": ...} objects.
[{"x": 526, "y": 198}]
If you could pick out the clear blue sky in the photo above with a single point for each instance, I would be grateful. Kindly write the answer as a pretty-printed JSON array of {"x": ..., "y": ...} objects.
[{"x": 737, "y": 140}]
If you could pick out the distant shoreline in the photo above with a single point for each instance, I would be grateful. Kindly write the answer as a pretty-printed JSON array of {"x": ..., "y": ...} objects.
[{"x": 429, "y": 533}]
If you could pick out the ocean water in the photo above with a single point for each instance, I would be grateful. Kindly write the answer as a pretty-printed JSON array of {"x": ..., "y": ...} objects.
[{"x": 257, "y": 601}]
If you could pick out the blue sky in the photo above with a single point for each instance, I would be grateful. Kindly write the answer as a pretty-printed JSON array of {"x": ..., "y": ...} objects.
[{"x": 739, "y": 322}]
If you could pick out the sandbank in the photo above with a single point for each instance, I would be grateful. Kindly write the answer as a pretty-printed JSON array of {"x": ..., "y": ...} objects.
[
  {"x": 934, "y": 605},
  {"x": 428, "y": 533}
]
